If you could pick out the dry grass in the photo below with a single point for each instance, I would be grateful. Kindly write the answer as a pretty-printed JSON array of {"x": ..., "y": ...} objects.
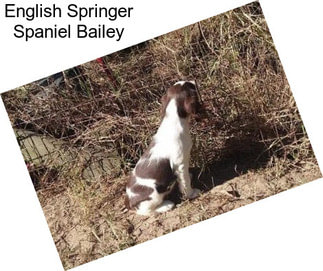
[
  {"x": 252, "y": 130},
  {"x": 232, "y": 57}
]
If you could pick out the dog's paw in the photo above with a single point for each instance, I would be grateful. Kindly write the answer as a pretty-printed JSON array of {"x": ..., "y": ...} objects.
[
  {"x": 194, "y": 193},
  {"x": 165, "y": 206}
]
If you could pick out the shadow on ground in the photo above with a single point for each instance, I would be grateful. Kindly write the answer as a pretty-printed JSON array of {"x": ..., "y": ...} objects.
[{"x": 220, "y": 172}]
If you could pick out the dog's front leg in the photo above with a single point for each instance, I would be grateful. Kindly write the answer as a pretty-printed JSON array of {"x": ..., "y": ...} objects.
[{"x": 184, "y": 182}]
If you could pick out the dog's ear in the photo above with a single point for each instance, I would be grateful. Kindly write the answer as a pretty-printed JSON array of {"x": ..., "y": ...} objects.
[
  {"x": 189, "y": 105},
  {"x": 192, "y": 105},
  {"x": 185, "y": 105}
]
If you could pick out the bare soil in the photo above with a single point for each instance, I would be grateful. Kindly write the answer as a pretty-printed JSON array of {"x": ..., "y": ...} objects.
[{"x": 89, "y": 223}]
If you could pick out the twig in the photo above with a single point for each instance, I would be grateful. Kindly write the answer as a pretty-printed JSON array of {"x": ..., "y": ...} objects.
[{"x": 205, "y": 40}]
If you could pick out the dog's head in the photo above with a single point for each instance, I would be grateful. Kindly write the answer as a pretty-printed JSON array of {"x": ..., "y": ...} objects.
[{"x": 186, "y": 96}]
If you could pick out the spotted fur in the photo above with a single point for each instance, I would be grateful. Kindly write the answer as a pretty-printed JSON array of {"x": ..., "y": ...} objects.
[{"x": 167, "y": 158}]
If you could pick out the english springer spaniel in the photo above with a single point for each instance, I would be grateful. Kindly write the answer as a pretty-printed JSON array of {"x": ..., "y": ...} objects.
[{"x": 167, "y": 158}]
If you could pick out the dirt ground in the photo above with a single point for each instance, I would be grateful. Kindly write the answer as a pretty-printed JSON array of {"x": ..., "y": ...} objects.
[{"x": 90, "y": 222}]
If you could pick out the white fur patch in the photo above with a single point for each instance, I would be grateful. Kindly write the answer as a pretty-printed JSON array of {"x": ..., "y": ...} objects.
[
  {"x": 165, "y": 206},
  {"x": 146, "y": 182},
  {"x": 130, "y": 193},
  {"x": 179, "y": 83},
  {"x": 148, "y": 206},
  {"x": 183, "y": 82},
  {"x": 172, "y": 140}
]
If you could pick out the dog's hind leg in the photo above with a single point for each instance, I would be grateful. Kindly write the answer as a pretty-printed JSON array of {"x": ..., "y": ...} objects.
[
  {"x": 146, "y": 207},
  {"x": 165, "y": 206}
]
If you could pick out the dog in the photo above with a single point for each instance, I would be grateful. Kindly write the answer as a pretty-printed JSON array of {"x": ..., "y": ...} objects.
[{"x": 167, "y": 157}]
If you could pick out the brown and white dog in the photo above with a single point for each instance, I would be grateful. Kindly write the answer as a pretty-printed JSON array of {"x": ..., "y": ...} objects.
[{"x": 168, "y": 155}]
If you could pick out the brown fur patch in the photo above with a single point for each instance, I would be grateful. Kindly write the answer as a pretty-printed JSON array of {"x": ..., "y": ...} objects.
[
  {"x": 159, "y": 170},
  {"x": 142, "y": 193}
]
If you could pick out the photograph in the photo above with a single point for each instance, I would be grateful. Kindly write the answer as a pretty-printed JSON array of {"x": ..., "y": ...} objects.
[{"x": 161, "y": 135}]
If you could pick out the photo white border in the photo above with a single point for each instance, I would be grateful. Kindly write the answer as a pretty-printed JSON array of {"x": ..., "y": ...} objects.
[{"x": 283, "y": 232}]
